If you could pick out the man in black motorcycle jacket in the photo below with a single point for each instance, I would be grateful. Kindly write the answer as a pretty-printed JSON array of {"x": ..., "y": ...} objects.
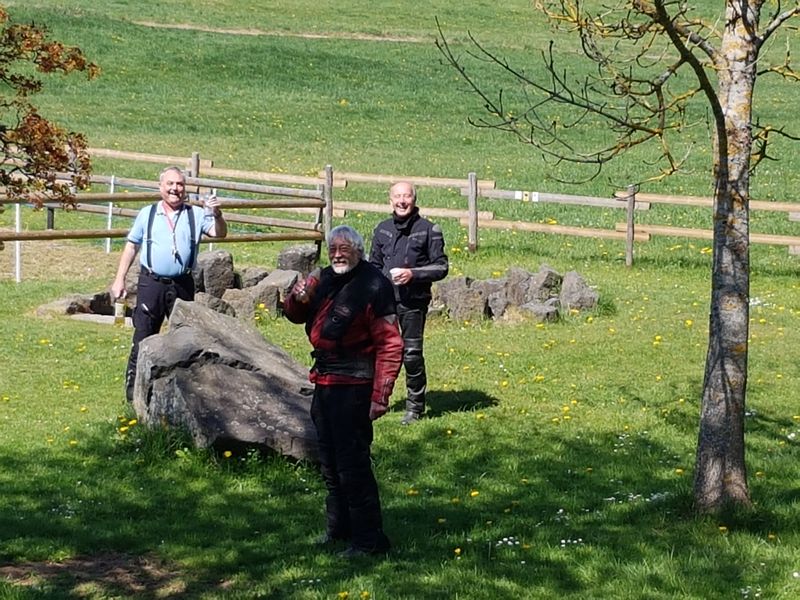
[{"x": 409, "y": 250}]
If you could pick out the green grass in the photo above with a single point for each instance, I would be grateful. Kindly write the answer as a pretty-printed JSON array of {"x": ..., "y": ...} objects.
[{"x": 557, "y": 459}]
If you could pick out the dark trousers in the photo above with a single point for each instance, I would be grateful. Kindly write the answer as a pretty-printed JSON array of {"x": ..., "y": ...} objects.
[
  {"x": 412, "y": 328},
  {"x": 155, "y": 298},
  {"x": 344, "y": 430}
]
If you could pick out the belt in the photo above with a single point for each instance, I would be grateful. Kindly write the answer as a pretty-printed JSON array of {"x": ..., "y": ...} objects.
[{"x": 162, "y": 279}]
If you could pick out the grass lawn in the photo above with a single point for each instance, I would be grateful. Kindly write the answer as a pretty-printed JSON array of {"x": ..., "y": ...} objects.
[{"x": 556, "y": 460}]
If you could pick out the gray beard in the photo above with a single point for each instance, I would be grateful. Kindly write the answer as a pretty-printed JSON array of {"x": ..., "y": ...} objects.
[{"x": 342, "y": 269}]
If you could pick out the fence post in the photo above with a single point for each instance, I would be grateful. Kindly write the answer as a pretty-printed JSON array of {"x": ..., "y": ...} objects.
[
  {"x": 194, "y": 165},
  {"x": 631, "y": 205},
  {"x": 472, "y": 207},
  {"x": 327, "y": 192},
  {"x": 109, "y": 218},
  {"x": 50, "y": 217},
  {"x": 18, "y": 244}
]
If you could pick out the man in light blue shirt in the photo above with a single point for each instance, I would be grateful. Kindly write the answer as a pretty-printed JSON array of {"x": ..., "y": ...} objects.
[{"x": 168, "y": 233}]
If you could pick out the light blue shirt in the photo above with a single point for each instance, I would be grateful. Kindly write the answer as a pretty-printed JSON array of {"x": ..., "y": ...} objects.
[{"x": 166, "y": 262}]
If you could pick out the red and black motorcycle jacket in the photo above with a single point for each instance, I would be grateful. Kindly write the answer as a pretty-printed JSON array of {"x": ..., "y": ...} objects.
[{"x": 351, "y": 323}]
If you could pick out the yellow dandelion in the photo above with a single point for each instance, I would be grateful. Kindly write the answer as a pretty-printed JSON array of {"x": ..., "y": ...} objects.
[
  {"x": 455, "y": 500},
  {"x": 123, "y": 429},
  {"x": 474, "y": 493},
  {"x": 133, "y": 422},
  {"x": 457, "y": 551},
  {"x": 412, "y": 492},
  {"x": 723, "y": 529},
  {"x": 760, "y": 473},
  {"x": 688, "y": 322},
  {"x": 227, "y": 454},
  {"x": 504, "y": 383},
  {"x": 480, "y": 416},
  {"x": 343, "y": 102},
  {"x": 84, "y": 409},
  {"x": 364, "y": 595},
  {"x": 589, "y": 319},
  {"x": 261, "y": 306},
  {"x": 343, "y": 595},
  {"x": 441, "y": 520},
  {"x": 678, "y": 471},
  {"x": 73, "y": 442}
]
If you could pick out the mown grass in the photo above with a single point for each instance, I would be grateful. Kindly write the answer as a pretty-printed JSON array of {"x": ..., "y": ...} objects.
[{"x": 557, "y": 459}]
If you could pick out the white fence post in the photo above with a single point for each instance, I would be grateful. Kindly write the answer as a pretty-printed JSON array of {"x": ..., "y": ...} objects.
[
  {"x": 110, "y": 212},
  {"x": 18, "y": 244}
]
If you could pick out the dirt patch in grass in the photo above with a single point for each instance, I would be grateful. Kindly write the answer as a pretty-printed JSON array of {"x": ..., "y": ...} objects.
[
  {"x": 104, "y": 576},
  {"x": 58, "y": 260},
  {"x": 323, "y": 36}
]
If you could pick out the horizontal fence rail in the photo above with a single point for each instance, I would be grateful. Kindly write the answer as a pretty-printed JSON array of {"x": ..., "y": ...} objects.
[{"x": 313, "y": 195}]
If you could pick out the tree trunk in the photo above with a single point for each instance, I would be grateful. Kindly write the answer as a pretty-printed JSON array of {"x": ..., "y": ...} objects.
[{"x": 720, "y": 479}]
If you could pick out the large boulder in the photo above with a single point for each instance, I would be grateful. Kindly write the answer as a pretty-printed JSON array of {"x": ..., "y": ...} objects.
[
  {"x": 576, "y": 294},
  {"x": 214, "y": 272},
  {"x": 464, "y": 300},
  {"x": 218, "y": 378},
  {"x": 301, "y": 258}
]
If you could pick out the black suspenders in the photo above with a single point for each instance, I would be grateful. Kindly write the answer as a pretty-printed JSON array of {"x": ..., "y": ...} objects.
[{"x": 192, "y": 231}]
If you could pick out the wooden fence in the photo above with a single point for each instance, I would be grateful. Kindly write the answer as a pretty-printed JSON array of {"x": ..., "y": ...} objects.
[
  {"x": 631, "y": 201},
  {"x": 317, "y": 199}
]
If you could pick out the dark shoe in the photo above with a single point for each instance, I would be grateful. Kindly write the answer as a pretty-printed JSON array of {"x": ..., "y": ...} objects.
[{"x": 409, "y": 418}]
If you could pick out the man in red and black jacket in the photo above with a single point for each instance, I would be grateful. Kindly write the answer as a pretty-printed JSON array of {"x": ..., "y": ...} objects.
[{"x": 351, "y": 321}]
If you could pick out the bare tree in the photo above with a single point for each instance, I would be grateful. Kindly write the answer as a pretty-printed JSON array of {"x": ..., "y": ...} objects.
[
  {"x": 35, "y": 154},
  {"x": 655, "y": 62}
]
